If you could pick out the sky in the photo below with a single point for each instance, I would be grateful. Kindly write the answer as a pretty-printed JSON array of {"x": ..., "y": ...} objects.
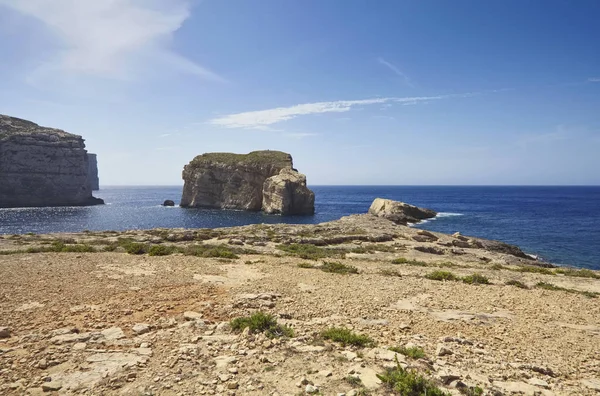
[{"x": 360, "y": 92}]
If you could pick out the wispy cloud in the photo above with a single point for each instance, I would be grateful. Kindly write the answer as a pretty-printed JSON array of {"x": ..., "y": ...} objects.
[
  {"x": 397, "y": 71},
  {"x": 112, "y": 38},
  {"x": 261, "y": 118},
  {"x": 594, "y": 79}
]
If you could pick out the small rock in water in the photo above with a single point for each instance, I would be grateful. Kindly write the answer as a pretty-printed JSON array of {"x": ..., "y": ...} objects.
[{"x": 168, "y": 202}]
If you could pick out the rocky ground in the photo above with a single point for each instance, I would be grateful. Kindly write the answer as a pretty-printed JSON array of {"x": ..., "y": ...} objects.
[{"x": 80, "y": 315}]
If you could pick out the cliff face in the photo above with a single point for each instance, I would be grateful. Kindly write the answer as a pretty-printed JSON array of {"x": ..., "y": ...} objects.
[
  {"x": 286, "y": 193},
  {"x": 42, "y": 166},
  {"x": 234, "y": 181},
  {"x": 93, "y": 179}
]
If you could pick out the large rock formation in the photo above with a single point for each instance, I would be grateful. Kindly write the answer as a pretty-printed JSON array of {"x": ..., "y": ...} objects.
[
  {"x": 399, "y": 212},
  {"x": 286, "y": 193},
  {"x": 239, "y": 181},
  {"x": 93, "y": 178},
  {"x": 42, "y": 166}
]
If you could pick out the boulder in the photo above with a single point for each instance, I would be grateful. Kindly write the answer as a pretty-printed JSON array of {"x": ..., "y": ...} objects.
[
  {"x": 237, "y": 181},
  {"x": 168, "y": 202},
  {"x": 287, "y": 194},
  {"x": 399, "y": 212},
  {"x": 42, "y": 166}
]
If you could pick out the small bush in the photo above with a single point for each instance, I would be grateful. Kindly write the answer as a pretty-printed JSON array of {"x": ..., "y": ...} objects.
[
  {"x": 311, "y": 252},
  {"x": 388, "y": 272},
  {"x": 441, "y": 276},
  {"x": 260, "y": 322},
  {"x": 110, "y": 248},
  {"x": 136, "y": 248},
  {"x": 550, "y": 286},
  {"x": 409, "y": 383},
  {"x": 353, "y": 380},
  {"x": 402, "y": 260},
  {"x": 536, "y": 270},
  {"x": 471, "y": 391},
  {"x": 306, "y": 265},
  {"x": 582, "y": 273},
  {"x": 161, "y": 250},
  {"x": 517, "y": 283},
  {"x": 412, "y": 352},
  {"x": 338, "y": 268},
  {"x": 217, "y": 251},
  {"x": 498, "y": 267},
  {"x": 347, "y": 337},
  {"x": 476, "y": 279}
]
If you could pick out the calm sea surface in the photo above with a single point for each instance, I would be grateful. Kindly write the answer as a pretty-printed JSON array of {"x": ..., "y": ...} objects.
[{"x": 561, "y": 224}]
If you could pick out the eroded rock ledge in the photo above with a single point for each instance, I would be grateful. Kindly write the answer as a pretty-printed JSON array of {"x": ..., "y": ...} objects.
[
  {"x": 42, "y": 166},
  {"x": 260, "y": 180}
]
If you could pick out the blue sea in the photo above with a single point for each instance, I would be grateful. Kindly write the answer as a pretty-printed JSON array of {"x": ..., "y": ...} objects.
[{"x": 560, "y": 224}]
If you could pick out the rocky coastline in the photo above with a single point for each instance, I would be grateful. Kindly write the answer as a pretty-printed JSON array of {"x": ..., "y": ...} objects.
[
  {"x": 350, "y": 306},
  {"x": 42, "y": 166}
]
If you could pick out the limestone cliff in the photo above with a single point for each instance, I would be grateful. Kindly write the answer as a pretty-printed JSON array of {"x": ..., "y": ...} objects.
[
  {"x": 42, "y": 166},
  {"x": 286, "y": 193},
  {"x": 93, "y": 172},
  {"x": 237, "y": 181}
]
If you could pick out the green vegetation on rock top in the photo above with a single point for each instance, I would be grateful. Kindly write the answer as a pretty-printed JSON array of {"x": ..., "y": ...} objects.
[{"x": 258, "y": 158}]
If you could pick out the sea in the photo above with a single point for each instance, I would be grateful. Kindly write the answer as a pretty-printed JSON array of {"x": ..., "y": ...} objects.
[{"x": 559, "y": 224}]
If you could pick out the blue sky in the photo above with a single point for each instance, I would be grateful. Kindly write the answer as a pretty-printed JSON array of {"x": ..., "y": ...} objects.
[{"x": 359, "y": 92}]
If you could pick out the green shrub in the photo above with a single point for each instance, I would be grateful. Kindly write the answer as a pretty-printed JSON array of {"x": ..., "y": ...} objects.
[
  {"x": 261, "y": 322},
  {"x": 402, "y": 260},
  {"x": 347, "y": 337},
  {"x": 306, "y": 265},
  {"x": 582, "y": 273},
  {"x": 471, "y": 391},
  {"x": 311, "y": 252},
  {"x": 476, "y": 279},
  {"x": 353, "y": 380},
  {"x": 442, "y": 276},
  {"x": 136, "y": 248},
  {"x": 389, "y": 272},
  {"x": 409, "y": 383},
  {"x": 517, "y": 283},
  {"x": 412, "y": 352},
  {"x": 338, "y": 268},
  {"x": 498, "y": 267},
  {"x": 550, "y": 286},
  {"x": 161, "y": 250},
  {"x": 535, "y": 270},
  {"x": 217, "y": 251}
]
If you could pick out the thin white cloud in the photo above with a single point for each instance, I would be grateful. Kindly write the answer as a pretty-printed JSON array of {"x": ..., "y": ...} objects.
[
  {"x": 594, "y": 79},
  {"x": 261, "y": 118},
  {"x": 111, "y": 38},
  {"x": 397, "y": 71}
]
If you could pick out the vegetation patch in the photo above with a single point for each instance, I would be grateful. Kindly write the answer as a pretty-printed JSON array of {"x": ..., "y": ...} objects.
[
  {"x": 161, "y": 250},
  {"x": 353, "y": 380},
  {"x": 499, "y": 267},
  {"x": 338, "y": 268},
  {"x": 311, "y": 252},
  {"x": 306, "y": 265},
  {"x": 476, "y": 279},
  {"x": 347, "y": 337},
  {"x": 442, "y": 276},
  {"x": 409, "y": 383},
  {"x": 261, "y": 322},
  {"x": 402, "y": 260},
  {"x": 216, "y": 251},
  {"x": 389, "y": 272},
  {"x": 471, "y": 391},
  {"x": 536, "y": 270},
  {"x": 550, "y": 286},
  {"x": 516, "y": 283},
  {"x": 136, "y": 248},
  {"x": 412, "y": 352},
  {"x": 582, "y": 273}
]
